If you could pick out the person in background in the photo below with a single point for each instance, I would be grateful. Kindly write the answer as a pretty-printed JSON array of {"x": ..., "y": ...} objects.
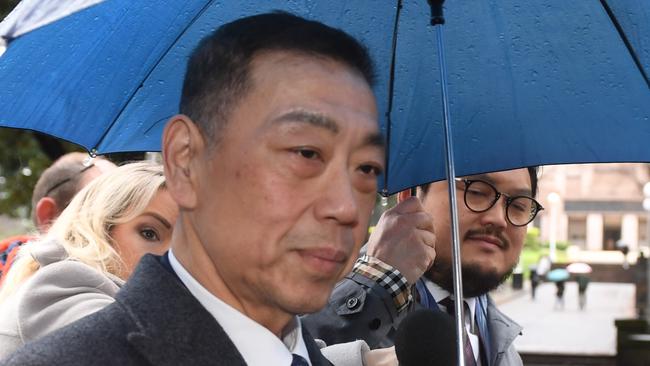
[
  {"x": 624, "y": 249},
  {"x": 583, "y": 282},
  {"x": 52, "y": 193},
  {"x": 543, "y": 266},
  {"x": 534, "y": 280},
  {"x": 559, "y": 295},
  {"x": 87, "y": 254},
  {"x": 407, "y": 265}
]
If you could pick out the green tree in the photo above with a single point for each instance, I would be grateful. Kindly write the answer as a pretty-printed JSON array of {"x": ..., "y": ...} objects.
[
  {"x": 22, "y": 160},
  {"x": 532, "y": 241}
]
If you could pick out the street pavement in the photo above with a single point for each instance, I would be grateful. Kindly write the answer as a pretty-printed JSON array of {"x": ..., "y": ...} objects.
[{"x": 548, "y": 329}]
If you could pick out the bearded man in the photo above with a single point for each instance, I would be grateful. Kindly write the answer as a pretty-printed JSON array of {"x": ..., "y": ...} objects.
[{"x": 408, "y": 265}]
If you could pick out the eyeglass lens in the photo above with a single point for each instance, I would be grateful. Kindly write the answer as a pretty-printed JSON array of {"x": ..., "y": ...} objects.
[{"x": 481, "y": 196}]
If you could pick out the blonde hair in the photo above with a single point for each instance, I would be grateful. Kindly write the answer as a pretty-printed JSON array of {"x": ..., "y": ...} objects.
[{"x": 83, "y": 228}]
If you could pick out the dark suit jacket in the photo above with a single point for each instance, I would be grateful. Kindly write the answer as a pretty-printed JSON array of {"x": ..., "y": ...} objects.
[{"x": 155, "y": 320}]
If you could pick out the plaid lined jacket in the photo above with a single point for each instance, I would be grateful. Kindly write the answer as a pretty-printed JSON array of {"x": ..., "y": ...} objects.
[{"x": 363, "y": 308}]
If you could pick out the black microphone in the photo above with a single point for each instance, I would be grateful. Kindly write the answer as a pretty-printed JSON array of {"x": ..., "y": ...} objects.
[{"x": 426, "y": 338}]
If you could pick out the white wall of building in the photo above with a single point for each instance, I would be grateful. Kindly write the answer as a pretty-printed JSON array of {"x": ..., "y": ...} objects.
[
  {"x": 630, "y": 231},
  {"x": 594, "y": 231}
]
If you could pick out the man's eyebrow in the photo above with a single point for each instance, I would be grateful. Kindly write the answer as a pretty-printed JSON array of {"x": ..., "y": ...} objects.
[
  {"x": 319, "y": 120},
  {"x": 313, "y": 118},
  {"x": 159, "y": 218},
  {"x": 376, "y": 139},
  {"x": 483, "y": 177}
]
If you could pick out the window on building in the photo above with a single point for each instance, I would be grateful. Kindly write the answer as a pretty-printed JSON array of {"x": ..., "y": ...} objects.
[
  {"x": 611, "y": 231},
  {"x": 577, "y": 230}
]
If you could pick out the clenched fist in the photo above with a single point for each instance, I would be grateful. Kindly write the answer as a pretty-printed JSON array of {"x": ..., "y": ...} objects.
[{"x": 404, "y": 238}]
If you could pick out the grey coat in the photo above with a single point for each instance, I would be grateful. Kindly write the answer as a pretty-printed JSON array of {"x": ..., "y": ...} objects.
[
  {"x": 359, "y": 308},
  {"x": 154, "y": 320},
  {"x": 60, "y": 292}
]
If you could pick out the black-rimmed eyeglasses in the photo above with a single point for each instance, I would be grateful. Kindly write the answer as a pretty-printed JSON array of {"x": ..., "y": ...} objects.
[
  {"x": 480, "y": 196},
  {"x": 68, "y": 179}
]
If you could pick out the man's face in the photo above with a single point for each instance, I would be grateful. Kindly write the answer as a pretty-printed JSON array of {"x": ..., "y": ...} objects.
[
  {"x": 490, "y": 245},
  {"x": 286, "y": 195}
]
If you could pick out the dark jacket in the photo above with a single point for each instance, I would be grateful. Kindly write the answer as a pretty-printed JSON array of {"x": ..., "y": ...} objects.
[
  {"x": 155, "y": 320},
  {"x": 360, "y": 308}
]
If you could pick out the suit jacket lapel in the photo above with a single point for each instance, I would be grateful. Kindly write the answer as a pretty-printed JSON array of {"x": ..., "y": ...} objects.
[
  {"x": 173, "y": 327},
  {"x": 315, "y": 355}
]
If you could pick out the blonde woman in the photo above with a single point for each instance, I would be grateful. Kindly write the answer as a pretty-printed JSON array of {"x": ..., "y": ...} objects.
[{"x": 78, "y": 267}]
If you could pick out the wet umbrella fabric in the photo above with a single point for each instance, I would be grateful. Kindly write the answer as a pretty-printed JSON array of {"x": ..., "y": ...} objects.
[
  {"x": 108, "y": 77},
  {"x": 530, "y": 82}
]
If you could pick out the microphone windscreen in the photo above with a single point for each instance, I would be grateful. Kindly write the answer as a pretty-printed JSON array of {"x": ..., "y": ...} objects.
[{"x": 426, "y": 338}]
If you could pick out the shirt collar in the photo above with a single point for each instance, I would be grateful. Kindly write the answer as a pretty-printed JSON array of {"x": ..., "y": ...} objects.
[
  {"x": 439, "y": 294},
  {"x": 255, "y": 343}
]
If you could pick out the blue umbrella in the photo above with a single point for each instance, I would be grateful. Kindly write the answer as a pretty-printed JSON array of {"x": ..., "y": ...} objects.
[
  {"x": 539, "y": 82},
  {"x": 558, "y": 274},
  {"x": 108, "y": 77}
]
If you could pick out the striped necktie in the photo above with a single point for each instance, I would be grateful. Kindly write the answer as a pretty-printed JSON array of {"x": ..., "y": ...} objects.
[
  {"x": 448, "y": 303},
  {"x": 299, "y": 361}
]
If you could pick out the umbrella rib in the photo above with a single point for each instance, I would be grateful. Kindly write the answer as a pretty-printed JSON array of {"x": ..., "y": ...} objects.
[
  {"x": 153, "y": 67},
  {"x": 626, "y": 41},
  {"x": 391, "y": 85}
]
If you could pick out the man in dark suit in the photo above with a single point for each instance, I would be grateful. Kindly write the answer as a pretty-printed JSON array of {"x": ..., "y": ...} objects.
[{"x": 273, "y": 163}]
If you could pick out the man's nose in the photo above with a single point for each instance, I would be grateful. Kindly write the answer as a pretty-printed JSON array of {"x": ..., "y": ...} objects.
[
  {"x": 496, "y": 215},
  {"x": 339, "y": 200}
]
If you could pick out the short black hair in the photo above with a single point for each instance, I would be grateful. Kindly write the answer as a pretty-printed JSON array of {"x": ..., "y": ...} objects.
[
  {"x": 218, "y": 71},
  {"x": 532, "y": 171}
]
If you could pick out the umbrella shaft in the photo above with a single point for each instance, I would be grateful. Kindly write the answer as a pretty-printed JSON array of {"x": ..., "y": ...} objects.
[{"x": 451, "y": 176}]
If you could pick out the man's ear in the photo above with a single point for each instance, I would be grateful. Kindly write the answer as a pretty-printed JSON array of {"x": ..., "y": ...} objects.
[
  {"x": 182, "y": 143},
  {"x": 46, "y": 212}
]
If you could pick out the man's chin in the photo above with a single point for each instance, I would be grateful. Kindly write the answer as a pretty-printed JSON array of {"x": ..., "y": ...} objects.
[
  {"x": 308, "y": 301},
  {"x": 301, "y": 307},
  {"x": 476, "y": 280}
]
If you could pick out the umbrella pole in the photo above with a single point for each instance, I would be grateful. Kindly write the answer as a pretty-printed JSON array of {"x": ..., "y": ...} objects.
[{"x": 437, "y": 20}]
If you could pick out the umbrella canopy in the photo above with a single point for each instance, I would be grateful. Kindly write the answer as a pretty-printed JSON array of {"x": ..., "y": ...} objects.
[
  {"x": 530, "y": 82},
  {"x": 108, "y": 77},
  {"x": 557, "y": 275},
  {"x": 579, "y": 268}
]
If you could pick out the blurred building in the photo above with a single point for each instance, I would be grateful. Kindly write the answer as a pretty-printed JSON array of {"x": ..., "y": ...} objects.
[{"x": 594, "y": 206}]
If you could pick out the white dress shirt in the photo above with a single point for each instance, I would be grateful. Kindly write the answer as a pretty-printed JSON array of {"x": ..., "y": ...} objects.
[
  {"x": 255, "y": 343},
  {"x": 439, "y": 294}
]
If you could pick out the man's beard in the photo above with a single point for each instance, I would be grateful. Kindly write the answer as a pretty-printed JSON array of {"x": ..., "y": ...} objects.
[{"x": 476, "y": 281}]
